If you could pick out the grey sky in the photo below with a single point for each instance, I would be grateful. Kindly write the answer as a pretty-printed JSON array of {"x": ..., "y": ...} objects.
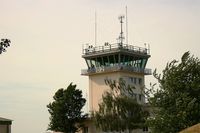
[{"x": 47, "y": 38}]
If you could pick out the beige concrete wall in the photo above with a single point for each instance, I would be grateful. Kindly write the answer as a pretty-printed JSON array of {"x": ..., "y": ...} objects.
[{"x": 97, "y": 86}]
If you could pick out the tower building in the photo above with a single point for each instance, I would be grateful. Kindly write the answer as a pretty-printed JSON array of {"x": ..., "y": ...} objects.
[{"x": 114, "y": 61}]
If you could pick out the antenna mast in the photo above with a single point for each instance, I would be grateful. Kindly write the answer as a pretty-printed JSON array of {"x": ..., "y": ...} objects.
[
  {"x": 121, "y": 37},
  {"x": 95, "y": 43},
  {"x": 126, "y": 26}
]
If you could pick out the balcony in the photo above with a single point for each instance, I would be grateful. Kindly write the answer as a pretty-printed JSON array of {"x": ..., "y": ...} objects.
[
  {"x": 123, "y": 68},
  {"x": 107, "y": 48}
]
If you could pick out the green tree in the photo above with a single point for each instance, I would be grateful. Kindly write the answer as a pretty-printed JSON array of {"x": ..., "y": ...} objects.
[
  {"x": 65, "y": 110},
  {"x": 119, "y": 109},
  {"x": 4, "y": 44},
  {"x": 176, "y": 103}
]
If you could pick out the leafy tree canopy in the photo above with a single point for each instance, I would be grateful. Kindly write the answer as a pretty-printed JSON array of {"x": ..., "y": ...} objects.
[
  {"x": 119, "y": 109},
  {"x": 176, "y": 103},
  {"x": 4, "y": 44},
  {"x": 65, "y": 111}
]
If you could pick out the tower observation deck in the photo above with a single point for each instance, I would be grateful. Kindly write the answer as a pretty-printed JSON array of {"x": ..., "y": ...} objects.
[{"x": 115, "y": 57}]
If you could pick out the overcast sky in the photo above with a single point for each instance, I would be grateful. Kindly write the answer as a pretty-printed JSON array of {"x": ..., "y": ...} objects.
[{"x": 47, "y": 38}]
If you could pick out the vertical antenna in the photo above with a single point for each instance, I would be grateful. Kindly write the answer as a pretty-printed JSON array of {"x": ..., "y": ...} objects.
[
  {"x": 121, "y": 37},
  {"x": 126, "y": 26},
  {"x": 95, "y": 43}
]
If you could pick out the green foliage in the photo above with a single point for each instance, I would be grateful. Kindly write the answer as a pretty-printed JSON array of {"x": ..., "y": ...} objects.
[
  {"x": 65, "y": 110},
  {"x": 176, "y": 103},
  {"x": 4, "y": 44},
  {"x": 119, "y": 109}
]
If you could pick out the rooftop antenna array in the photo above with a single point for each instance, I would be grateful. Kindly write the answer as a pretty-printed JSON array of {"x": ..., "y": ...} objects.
[{"x": 121, "y": 36}]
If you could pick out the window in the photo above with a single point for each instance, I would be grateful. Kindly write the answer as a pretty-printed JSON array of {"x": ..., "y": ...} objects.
[
  {"x": 145, "y": 129},
  {"x": 140, "y": 97},
  {"x": 99, "y": 61},
  {"x": 105, "y": 61},
  {"x": 135, "y": 80},
  {"x": 88, "y": 63},
  {"x": 111, "y": 59},
  {"x": 131, "y": 79},
  {"x": 140, "y": 81},
  {"x": 85, "y": 130}
]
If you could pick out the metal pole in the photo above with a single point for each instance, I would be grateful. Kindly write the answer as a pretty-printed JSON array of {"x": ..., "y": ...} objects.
[
  {"x": 126, "y": 26},
  {"x": 95, "y": 29}
]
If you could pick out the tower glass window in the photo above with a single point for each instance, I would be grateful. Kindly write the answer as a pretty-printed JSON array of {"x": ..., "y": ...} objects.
[
  {"x": 140, "y": 81},
  {"x": 140, "y": 97},
  {"x": 135, "y": 80},
  {"x": 85, "y": 130}
]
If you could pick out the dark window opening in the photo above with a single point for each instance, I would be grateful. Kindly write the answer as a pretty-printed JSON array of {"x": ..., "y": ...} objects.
[
  {"x": 145, "y": 128},
  {"x": 140, "y": 97},
  {"x": 131, "y": 79},
  {"x": 135, "y": 80},
  {"x": 140, "y": 81},
  {"x": 85, "y": 130}
]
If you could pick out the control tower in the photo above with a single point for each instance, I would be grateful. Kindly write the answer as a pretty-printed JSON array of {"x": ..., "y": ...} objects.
[{"x": 114, "y": 61}]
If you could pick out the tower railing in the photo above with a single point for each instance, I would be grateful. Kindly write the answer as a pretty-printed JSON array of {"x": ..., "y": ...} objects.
[
  {"x": 113, "y": 47},
  {"x": 103, "y": 69}
]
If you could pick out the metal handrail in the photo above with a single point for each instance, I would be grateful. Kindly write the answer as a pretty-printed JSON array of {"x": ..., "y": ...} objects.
[
  {"x": 101, "y": 69},
  {"x": 116, "y": 46}
]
